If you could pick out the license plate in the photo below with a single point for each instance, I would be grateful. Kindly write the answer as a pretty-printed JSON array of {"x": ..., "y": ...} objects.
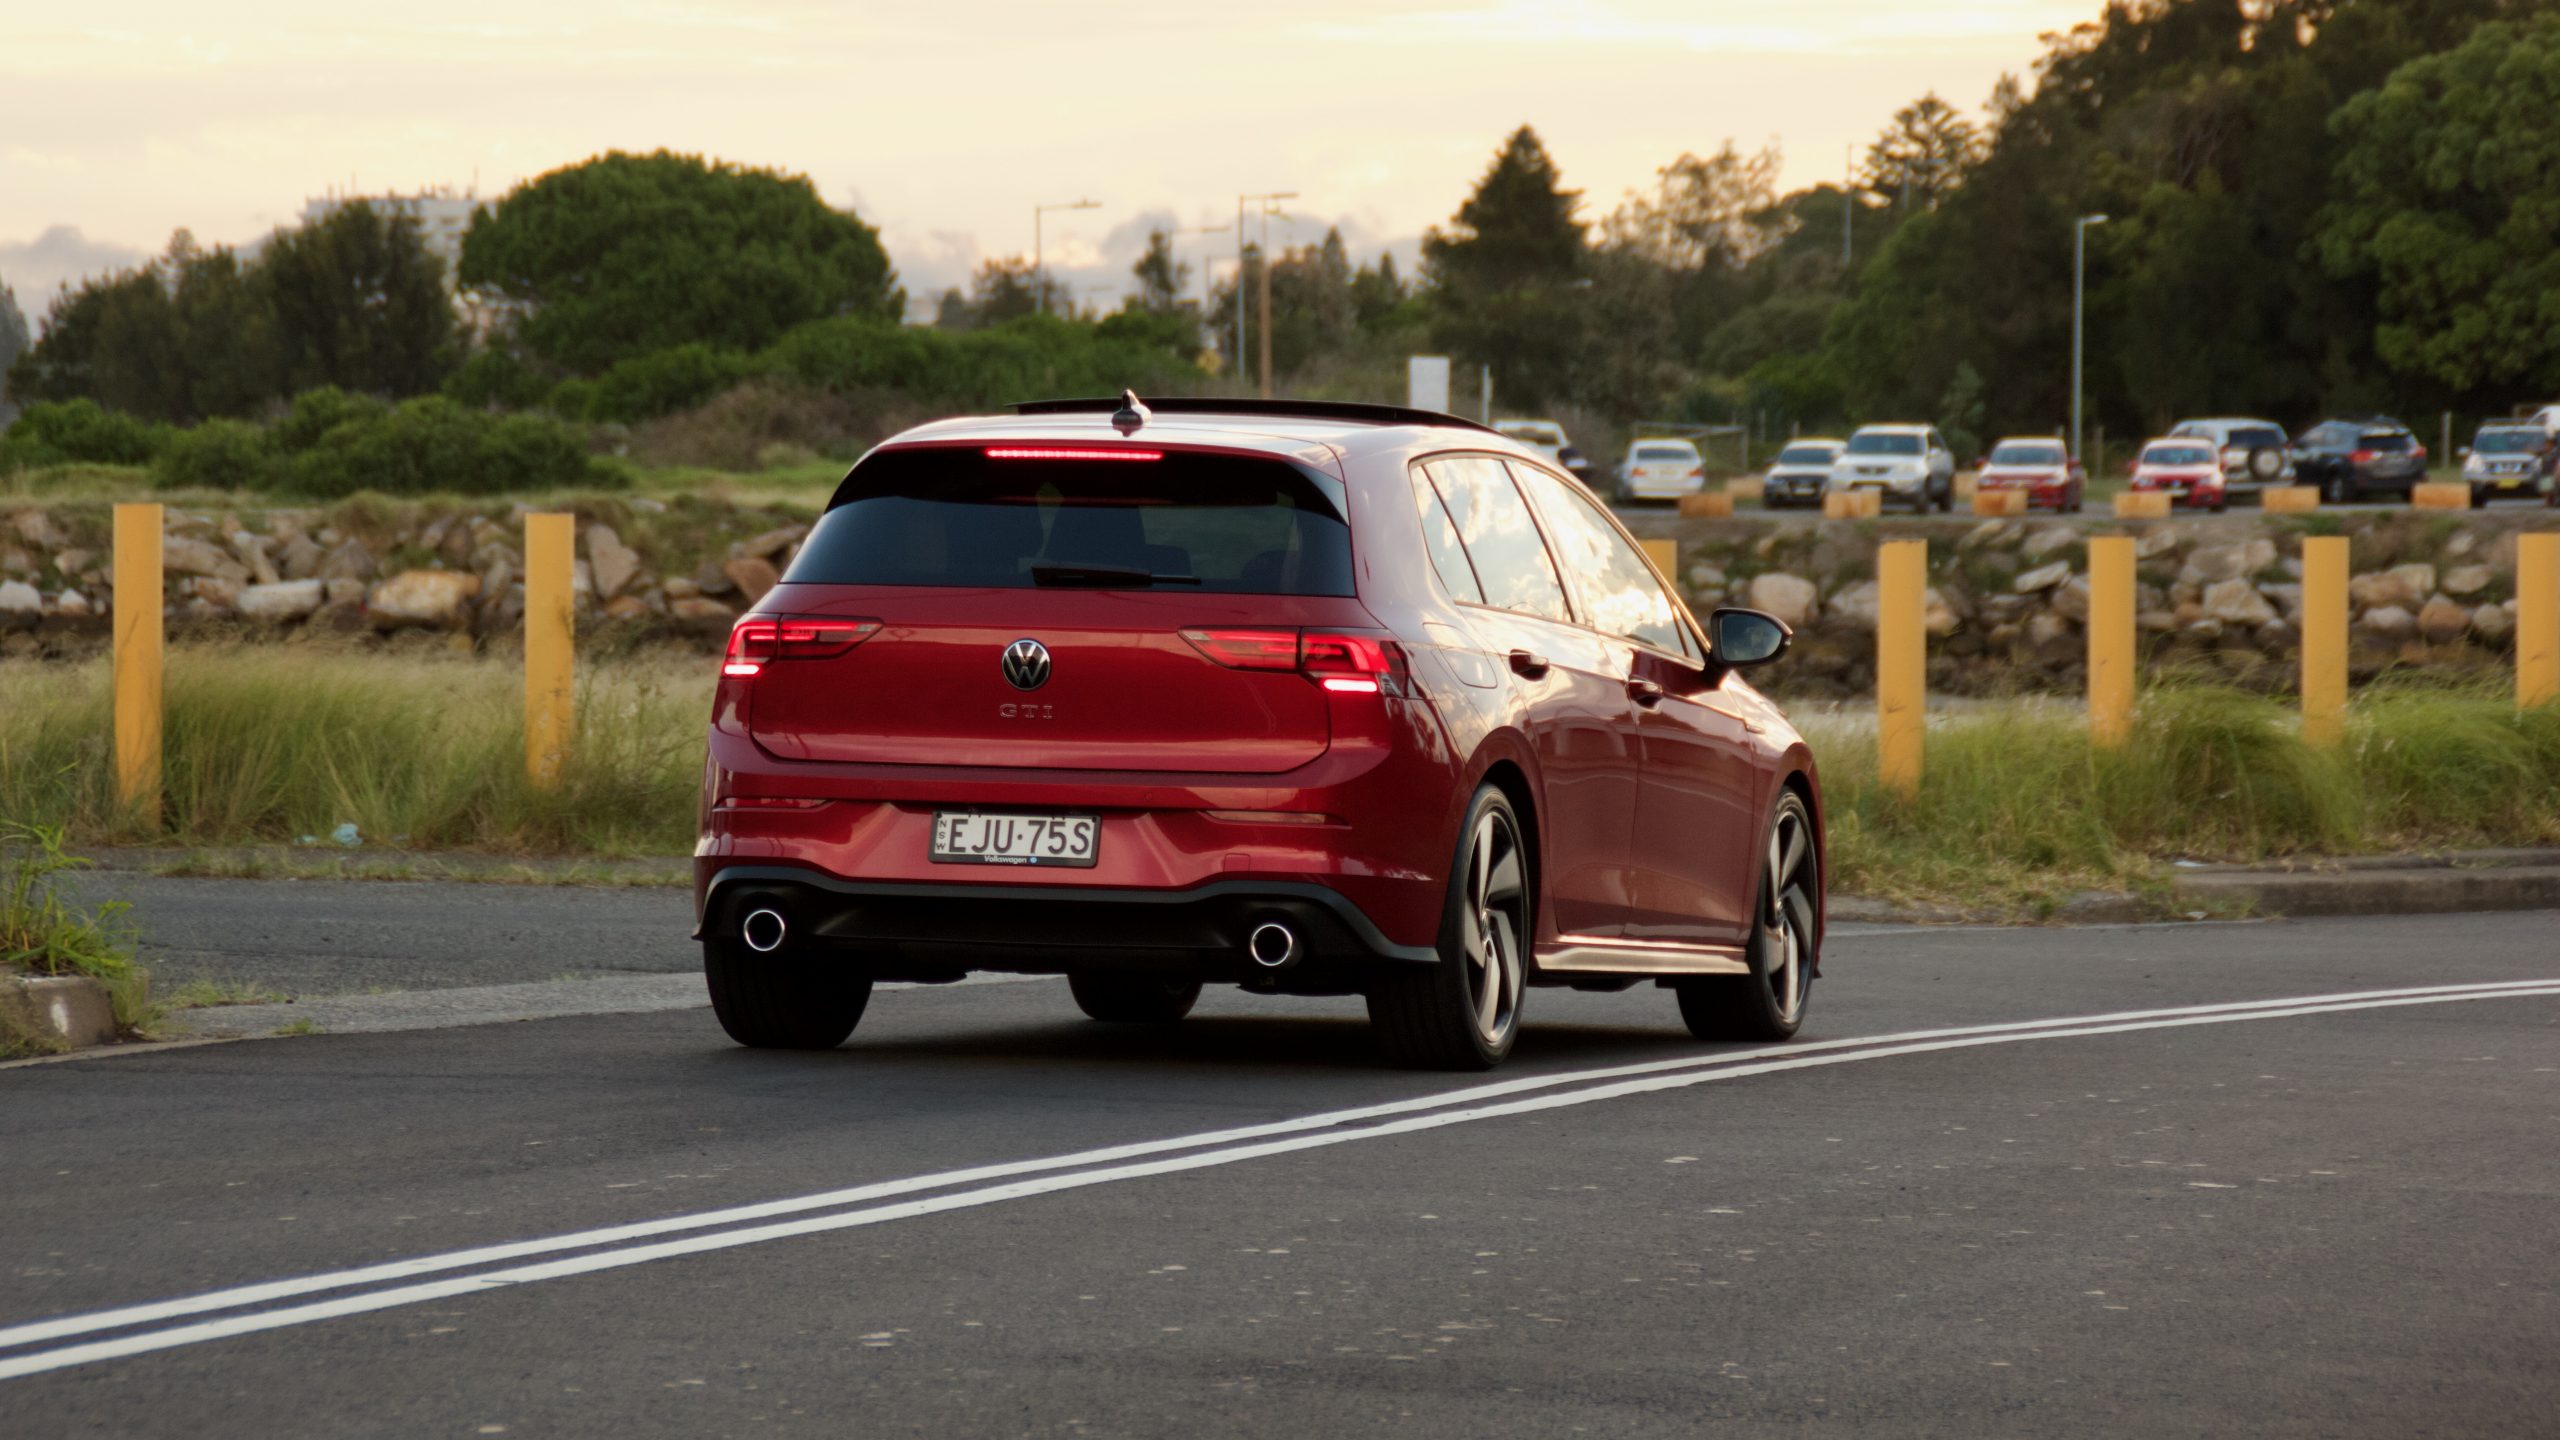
[{"x": 967, "y": 837}]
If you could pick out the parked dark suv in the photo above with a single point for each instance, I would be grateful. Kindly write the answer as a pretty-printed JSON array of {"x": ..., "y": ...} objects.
[
  {"x": 2356, "y": 459},
  {"x": 1314, "y": 699}
]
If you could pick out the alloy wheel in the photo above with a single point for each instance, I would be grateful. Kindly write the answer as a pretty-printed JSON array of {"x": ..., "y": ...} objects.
[
  {"x": 1494, "y": 924},
  {"x": 1786, "y": 911}
]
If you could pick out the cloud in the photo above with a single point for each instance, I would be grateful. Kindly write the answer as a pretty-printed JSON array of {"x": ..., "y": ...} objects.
[{"x": 60, "y": 256}]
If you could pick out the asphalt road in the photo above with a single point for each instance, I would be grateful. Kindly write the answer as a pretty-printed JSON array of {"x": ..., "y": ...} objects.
[{"x": 2244, "y": 1220}]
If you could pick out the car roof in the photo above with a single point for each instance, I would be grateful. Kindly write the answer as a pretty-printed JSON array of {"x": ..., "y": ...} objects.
[
  {"x": 2026, "y": 440},
  {"x": 2172, "y": 440},
  {"x": 1663, "y": 440},
  {"x": 1813, "y": 440},
  {"x": 1897, "y": 428},
  {"x": 2226, "y": 422},
  {"x": 1315, "y": 433}
]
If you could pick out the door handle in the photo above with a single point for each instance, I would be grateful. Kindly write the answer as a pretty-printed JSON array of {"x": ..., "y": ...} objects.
[
  {"x": 1528, "y": 663},
  {"x": 1644, "y": 692}
]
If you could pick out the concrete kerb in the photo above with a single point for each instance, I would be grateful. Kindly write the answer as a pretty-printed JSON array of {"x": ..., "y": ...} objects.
[{"x": 2381, "y": 884}]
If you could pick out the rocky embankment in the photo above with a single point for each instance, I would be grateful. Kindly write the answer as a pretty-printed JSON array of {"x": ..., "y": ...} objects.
[
  {"x": 385, "y": 570},
  {"x": 2007, "y": 598}
]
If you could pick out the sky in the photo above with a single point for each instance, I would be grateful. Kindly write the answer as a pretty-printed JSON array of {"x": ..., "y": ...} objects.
[{"x": 944, "y": 125}]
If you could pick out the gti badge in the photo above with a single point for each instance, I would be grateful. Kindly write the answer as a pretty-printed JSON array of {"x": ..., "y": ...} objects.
[{"x": 1026, "y": 664}]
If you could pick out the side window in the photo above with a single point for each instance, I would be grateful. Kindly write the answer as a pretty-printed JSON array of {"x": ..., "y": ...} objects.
[
  {"x": 1618, "y": 592},
  {"x": 1440, "y": 537},
  {"x": 1510, "y": 558}
]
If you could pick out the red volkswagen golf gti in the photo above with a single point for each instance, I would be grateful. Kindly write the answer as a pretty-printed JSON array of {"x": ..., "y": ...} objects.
[{"x": 1312, "y": 699}]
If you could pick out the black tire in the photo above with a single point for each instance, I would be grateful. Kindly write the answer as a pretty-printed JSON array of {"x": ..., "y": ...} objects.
[
  {"x": 2479, "y": 496},
  {"x": 1947, "y": 498},
  {"x": 2333, "y": 489},
  {"x": 1768, "y": 1003},
  {"x": 1463, "y": 1012},
  {"x": 787, "y": 1000},
  {"x": 1125, "y": 999}
]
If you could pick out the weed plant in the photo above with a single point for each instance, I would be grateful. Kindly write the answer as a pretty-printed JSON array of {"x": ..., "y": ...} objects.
[{"x": 41, "y": 933}]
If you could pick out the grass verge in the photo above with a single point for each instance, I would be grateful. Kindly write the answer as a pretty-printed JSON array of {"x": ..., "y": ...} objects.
[
  {"x": 270, "y": 746},
  {"x": 2017, "y": 810}
]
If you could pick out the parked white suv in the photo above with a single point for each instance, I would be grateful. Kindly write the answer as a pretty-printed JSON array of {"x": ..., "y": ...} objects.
[
  {"x": 1906, "y": 465},
  {"x": 2254, "y": 453}
]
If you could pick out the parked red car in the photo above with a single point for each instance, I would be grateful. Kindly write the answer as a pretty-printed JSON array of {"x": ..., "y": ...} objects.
[
  {"x": 2190, "y": 470},
  {"x": 1313, "y": 699},
  {"x": 2037, "y": 465}
]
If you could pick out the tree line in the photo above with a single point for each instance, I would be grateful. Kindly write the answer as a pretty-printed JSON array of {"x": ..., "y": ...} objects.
[{"x": 2313, "y": 206}]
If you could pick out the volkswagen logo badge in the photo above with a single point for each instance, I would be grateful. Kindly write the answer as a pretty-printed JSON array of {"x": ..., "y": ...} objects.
[{"x": 1026, "y": 664}]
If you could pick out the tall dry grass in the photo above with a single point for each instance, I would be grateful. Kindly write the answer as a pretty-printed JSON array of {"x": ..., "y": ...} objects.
[
  {"x": 2015, "y": 804},
  {"x": 275, "y": 743}
]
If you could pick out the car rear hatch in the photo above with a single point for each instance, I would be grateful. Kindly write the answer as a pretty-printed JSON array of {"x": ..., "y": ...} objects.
[{"x": 1075, "y": 607}]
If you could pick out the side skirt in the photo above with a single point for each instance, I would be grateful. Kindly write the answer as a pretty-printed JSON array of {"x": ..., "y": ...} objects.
[{"x": 1577, "y": 955}]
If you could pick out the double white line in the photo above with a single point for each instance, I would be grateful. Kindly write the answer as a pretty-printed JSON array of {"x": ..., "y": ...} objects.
[{"x": 256, "y": 1308}]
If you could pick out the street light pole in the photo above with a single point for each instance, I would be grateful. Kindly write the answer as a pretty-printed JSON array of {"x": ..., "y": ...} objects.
[
  {"x": 1039, "y": 248},
  {"x": 1241, "y": 202},
  {"x": 2079, "y": 270}
]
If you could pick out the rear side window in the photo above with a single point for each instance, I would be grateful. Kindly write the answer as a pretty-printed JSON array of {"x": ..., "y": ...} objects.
[
  {"x": 1510, "y": 556},
  {"x": 1440, "y": 537},
  {"x": 2389, "y": 442},
  {"x": 2251, "y": 437},
  {"x": 1619, "y": 594},
  {"x": 956, "y": 517}
]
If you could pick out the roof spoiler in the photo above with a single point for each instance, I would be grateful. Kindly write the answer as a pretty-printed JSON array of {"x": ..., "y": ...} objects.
[{"x": 1281, "y": 409}]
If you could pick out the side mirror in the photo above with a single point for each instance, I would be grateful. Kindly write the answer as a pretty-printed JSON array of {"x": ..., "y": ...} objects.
[
  {"x": 2464, "y": 452},
  {"x": 1747, "y": 637}
]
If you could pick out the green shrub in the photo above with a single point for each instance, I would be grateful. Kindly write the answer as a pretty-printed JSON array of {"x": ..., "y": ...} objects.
[
  {"x": 497, "y": 379},
  {"x": 71, "y": 432},
  {"x": 217, "y": 455},
  {"x": 433, "y": 445},
  {"x": 317, "y": 412},
  {"x": 646, "y": 386},
  {"x": 1037, "y": 357}
]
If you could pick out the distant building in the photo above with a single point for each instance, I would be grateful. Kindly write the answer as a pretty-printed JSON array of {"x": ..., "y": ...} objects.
[{"x": 442, "y": 218}]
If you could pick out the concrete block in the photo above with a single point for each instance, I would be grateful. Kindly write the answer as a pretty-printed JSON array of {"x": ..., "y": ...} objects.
[
  {"x": 2289, "y": 499},
  {"x": 1999, "y": 502},
  {"x": 1860, "y": 504},
  {"x": 2440, "y": 497},
  {"x": 73, "y": 1009},
  {"x": 1712, "y": 504},
  {"x": 2143, "y": 505}
]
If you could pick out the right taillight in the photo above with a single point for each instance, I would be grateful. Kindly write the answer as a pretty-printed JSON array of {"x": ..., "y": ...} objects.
[
  {"x": 760, "y": 640},
  {"x": 1346, "y": 662}
]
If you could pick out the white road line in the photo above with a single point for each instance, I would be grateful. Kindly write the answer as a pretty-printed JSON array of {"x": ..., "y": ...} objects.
[
  {"x": 37, "y": 1362},
  {"x": 246, "y": 1295}
]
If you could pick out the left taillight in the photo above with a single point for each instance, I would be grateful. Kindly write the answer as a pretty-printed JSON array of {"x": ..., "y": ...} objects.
[
  {"x": 1341, "y": 661},
  {"x": 760, "y": 640}
]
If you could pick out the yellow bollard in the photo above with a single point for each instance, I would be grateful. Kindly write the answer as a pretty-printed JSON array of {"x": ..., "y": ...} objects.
[
  {"x": 2289, "y": 499},
  {"x": 1999, "y": 502},
  {"x": 1666, "y": 558},
  {"x": 2456, "y": 496},
  {"x": 2111, "y": 639},
  {"x": 2142, "y": 505},
  {"x": 550, "y": 655},
  {"x": 1709, "y": 504},
  {"x": 2324, "y": 639},
  {"x": 140, "y": 635},
  {"x": 2537, "y": 619},
  {"x": 1864, "y": 503},
  {"x": 1902, "y": 661}
]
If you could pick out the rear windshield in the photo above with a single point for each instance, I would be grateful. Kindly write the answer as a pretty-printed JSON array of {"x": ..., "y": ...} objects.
[
  {"x": 2251, "y": 437},
  {"x": 1806, "y": 455},
  {"x": 2390, "y": 442},
  {"x": 2507, "y": 442},
  {"x": 1665, "y": 452},
  {"x": 2016, "y": 454},
  {"x": 2177, "y": 455},
  {"x": 956, "y": 517},
  {"x": 1884, "y": 444}
]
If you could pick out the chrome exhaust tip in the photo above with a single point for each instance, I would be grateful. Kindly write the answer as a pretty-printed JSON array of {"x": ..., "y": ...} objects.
[
  {"x": 1272, "y": 945},
  {"x": 763, "y": 931}
]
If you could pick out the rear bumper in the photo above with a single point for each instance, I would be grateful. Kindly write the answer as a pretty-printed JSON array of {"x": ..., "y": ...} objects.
[{"x": 909, "y": 931}]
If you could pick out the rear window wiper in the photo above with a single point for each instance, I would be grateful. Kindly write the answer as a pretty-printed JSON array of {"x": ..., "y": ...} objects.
[{"x": 1104, "y": 577}]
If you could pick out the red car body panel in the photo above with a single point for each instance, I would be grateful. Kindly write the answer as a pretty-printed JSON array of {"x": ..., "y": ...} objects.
[
  {"x": 1648, "y": 821},
  {"x": 2046, "y": 485}
]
